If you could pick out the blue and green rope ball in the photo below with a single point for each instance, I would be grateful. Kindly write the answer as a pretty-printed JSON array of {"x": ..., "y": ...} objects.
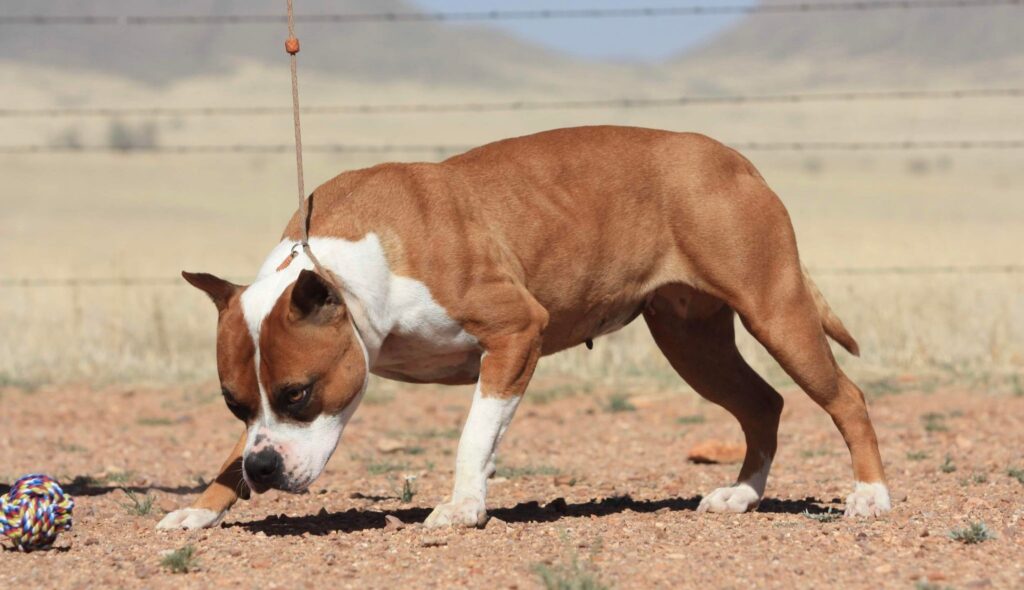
[{"x": 34, "y": 512}]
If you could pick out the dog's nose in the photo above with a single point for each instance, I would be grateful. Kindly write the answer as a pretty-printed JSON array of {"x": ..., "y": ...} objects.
[{"x": 263, "y": 467}]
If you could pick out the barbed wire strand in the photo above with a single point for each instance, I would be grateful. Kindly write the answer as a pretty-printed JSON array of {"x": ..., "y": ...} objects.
[
  {"x": 446, "y": 149},
  {"x": 690, "y": 10},
  {"x": 1005, "y": 269},
  {"x": 625, "y": 103}
]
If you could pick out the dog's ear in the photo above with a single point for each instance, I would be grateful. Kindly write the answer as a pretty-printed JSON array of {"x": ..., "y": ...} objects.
[
  {"x": 315, "y": 299},
  {"x": 219, "y": 290}
]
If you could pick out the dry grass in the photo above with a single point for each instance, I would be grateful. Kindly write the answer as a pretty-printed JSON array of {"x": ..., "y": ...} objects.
[{"x": 144, "y": 215}]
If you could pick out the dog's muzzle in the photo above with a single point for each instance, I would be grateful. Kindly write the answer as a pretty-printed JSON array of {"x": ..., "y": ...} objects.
[{"x": 264, "y": 470}]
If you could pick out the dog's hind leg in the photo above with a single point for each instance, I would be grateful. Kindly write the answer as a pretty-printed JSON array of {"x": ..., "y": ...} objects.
[
  {"x": 784, "y": 318},
  {"x": 697, "y": 335}
]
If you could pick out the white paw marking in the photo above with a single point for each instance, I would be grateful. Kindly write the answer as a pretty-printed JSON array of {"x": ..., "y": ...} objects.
[
  {"x": 190, "y": 519},
  {"x": 468, "y": 512},
  {"x": 738, "y": 498},
  {"x": 868, "y": 499}
]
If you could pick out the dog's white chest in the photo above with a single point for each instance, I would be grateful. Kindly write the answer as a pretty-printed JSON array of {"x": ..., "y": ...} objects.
[
  {"x": 413, "y": 337},
  {"x": 425, "y": 343}
]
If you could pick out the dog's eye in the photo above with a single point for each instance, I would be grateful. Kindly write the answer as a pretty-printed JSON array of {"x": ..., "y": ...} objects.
[{"x": 297, "y": 396}]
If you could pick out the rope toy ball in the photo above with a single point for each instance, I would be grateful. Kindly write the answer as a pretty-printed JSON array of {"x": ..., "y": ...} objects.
[{"x": 34, "y": 512}]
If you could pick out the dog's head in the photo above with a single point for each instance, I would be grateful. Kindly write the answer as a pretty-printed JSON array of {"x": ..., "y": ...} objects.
[{"x": 292, "y": 367}]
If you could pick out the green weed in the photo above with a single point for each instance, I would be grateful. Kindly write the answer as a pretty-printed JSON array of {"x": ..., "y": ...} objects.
[
  {"x": 140, "y": 506},
  {"x": 934, "y": 422},
  {"x": 154, "y": 422},
  {"x": 527, "y": 471},
  {"x": 1017, "y": 474},
  {"x": 619, "y": 403},
  {"x": 571, "y": 574},
  {"x": 181, "y": 561},
  {"x": 380, "y": 467},
  {"x": 691, "y": 419},
  {"x": 823, "y": 517},
  {"x": 974, "y": 533}
]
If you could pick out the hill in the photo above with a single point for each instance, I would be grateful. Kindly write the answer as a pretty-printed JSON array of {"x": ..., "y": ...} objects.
[
  {"x": 884, "y": 45},
  {"x": 431, "y": 53}
]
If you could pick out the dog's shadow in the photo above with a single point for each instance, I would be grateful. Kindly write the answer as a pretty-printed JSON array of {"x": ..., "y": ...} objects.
[
  {"x": 85, "y": 486},
  {"x": 354, "y": 519}
]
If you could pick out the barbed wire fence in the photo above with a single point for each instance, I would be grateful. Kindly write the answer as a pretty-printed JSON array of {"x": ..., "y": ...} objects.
[
  {"x": 440, "y": 150},
  {"x": 689, "y": 10}
]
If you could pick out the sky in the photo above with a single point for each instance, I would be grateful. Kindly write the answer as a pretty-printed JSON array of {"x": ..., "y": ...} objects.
[{"x": 632, "y": 39}]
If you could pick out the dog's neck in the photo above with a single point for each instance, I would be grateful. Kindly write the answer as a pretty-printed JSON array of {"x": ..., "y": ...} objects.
[{"x": 362, "y": 271}]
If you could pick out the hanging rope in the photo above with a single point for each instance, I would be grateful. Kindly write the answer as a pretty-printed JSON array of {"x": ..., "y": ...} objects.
[{"x": 292, "y": 46}]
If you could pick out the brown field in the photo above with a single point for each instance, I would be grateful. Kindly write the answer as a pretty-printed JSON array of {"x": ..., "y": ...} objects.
[
  {"x": 575, "y": 479},
  {"x": 109, "y": 387}
]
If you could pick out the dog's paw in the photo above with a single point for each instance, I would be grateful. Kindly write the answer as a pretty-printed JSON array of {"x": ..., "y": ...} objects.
[
  {"x": 738, "y": 498},
  {"x": 190, "y": 519},
  {"x": 467, "y": 512},
  {"x": 868, "y": 499}
]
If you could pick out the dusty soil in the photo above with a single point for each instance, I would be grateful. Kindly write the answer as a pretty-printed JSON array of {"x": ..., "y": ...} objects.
[{"x": 576, "y": 478}]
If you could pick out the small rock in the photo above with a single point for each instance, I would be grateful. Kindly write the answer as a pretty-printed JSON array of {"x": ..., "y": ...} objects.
[
  {"x": 925, "y": 533},
  {"x": 565, "y": 480},
  {"x": 885, "y": 568},
  {"x": 496, "y": 523},
  {"x": 716, "y": 451},
  {"x": 260, "y": 564},
  {"x": 389, "y": 445},
  {"x": 935, "y": 576},
  {"x": 433, "y": 542},
  {"x": 393, "y": 523}
]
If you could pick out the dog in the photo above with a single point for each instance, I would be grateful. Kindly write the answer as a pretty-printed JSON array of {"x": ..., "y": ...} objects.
[{"x": 470, "y": 270}]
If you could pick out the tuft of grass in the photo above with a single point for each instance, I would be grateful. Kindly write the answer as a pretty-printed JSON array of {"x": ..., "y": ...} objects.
[
  {"x": 975, "y": 532},
  {"x": 979, "y": 478},
  {"x": 926, "y": 585},
  {"x": 547, "y": 395},
  {"x": 1017, "y": 474},
  {"x": 66, "y": 447},
  {"x": 620, "y": 403},
  {"x": 823, "y": 517},
  {"x": 140, "y": 506},
  {"x": 948, "y": 466},
  {"x": 181, "y": 561},
  {"x": 408, "y": 491},
  {"x": 570, "y": 574},
  {"x": 811, "y": 453},
  {"x": 526, "y": 471},
  {"x": 917, "y": 456},
  {"x": 447, "y": 434},
  {"x": 154, "y": 422},
  {"x": 691, "y": 419},
  {"x": 380, "y": 467},
  {"x": 934, "y": 422}
]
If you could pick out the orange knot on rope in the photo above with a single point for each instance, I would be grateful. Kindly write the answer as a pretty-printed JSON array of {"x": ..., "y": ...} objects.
[{"x": 292, "y": 45}]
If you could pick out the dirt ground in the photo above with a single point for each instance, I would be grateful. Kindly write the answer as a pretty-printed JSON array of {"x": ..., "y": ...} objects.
[{"x": 576, "y": 478}]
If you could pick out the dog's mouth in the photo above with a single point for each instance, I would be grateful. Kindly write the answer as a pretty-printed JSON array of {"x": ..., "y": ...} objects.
[{"x": 282, "y": 483}]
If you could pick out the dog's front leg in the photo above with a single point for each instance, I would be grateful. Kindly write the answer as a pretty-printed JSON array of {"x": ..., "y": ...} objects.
[
  {"x": 505, "y": 371},
  {"x": 211, "y": 506}
]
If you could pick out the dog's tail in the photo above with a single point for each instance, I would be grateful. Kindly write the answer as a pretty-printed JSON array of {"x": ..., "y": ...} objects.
[{"x": 829, "y": 320}]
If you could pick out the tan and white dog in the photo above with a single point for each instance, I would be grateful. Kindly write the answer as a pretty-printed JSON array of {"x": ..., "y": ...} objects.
[{"x": 470, "y": 270}]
